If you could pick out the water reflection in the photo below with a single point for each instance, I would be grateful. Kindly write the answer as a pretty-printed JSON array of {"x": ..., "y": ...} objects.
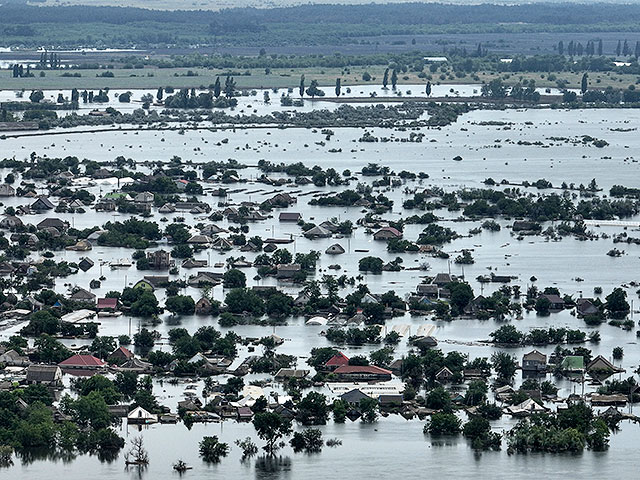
[
  {"x": 137, "y": 471},
  {"x": 31, "y": 455},
  {"x": 108, "y": 455},
  {"x": 272, "y": 467}
]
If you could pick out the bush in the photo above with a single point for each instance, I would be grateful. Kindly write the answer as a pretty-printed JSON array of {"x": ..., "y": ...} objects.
[
  {"x": 443, "y": 424},
  {"x": 211, "y": 450}
]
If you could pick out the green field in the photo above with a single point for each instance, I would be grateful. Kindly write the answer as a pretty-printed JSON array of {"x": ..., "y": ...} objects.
[{"x": 151, "y": 77}]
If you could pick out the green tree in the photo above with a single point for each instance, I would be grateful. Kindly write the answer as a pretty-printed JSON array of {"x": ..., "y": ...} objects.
[
  {"x": 102, "y": 347},
  {"x": 181, "y": 305},
  {"x": 100, "y": 384},
  {"x": 382, "y": 357},
  {"x": 443, "y": 424},
  {"x": 301, "y": 87},
  {"x": 507, "y": 334},
  {"x": 616, "y": 303},
  {"x": 36, "y": 96},
  {"x": 51, "y": 350},
  {"x": 314, "y": 90},
  {"x": 461, "y": 295},
  {"x": 145, "y": 306},
  {"x": 144, "y": 340},
  {"x": 584, "y": 83},
  {"x": 494, "y": 89},
  {"x": 313, "y": 409},
  {"x": 234, "y": 278},
  {"x": 505, "y": 366},
  {"x": 543, "y": 305},
  {"x": 241, "y": 300},
  {"x": 92, "y": 410},
  {"x": 339, "y": 411},
  {"x": 374, "y": 313},
  {"x": 271, "y": 427},
  {"x": 476, "y": 393},
  {"x": 212, "y": 450},
  {"x": 439, "y": 399},
  {"x": 369, "y": 409},
  {"x": 370, "y": 264},
  {"x": 309, "y": 440}
]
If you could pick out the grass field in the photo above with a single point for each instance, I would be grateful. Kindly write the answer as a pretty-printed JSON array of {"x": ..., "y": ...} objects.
[{"x": 152, "y": 77}]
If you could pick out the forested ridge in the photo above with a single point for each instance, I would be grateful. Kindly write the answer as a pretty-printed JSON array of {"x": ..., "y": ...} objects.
[{"x": 375, "y": 14}]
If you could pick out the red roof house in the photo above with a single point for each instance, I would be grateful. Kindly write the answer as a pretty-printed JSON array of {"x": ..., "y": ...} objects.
[
  {"x": 338, "y": 360},
  {"x": 83, "y": 362},
  {"x": 105, "y": 303},
  {"x": 121, "y": 354}
]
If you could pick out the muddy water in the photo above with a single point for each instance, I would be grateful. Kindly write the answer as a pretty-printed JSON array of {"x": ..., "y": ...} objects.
[{"x": 393, "y": 446}]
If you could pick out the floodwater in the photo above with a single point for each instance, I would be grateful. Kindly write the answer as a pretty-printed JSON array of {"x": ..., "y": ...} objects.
[
  {"x": 392, "y": 446},
  {"x": 254, "y": 101}
]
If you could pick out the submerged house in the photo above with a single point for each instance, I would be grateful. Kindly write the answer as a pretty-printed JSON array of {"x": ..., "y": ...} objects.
[
  {"x": 85, "y": 264},
  {"x": 82, "y": 295},
  {"x": 82, "y": 362},
  {"x": 534, "y": 362},
  {"x": 387, "y": 233},
  {"x": 286, "y": 373},
  {"x": 10, "y": 222},
  {"x": 526, "y": 408},
  {"x": 317, "y": 232},
  {"x": 353, "y": 397},
  {"x": 7, "y": 190},
  {"x": 290, "y": 217},
  {"x": 572, "y": 364},
  {"x": 602, "y": 365},
  {"x": 50, "y": 375},
  {"x": 107, "y": 303},
  {"x": 338, "y": 360},
  {"x": 444, "y": 375},
  {"x": 42, "y": 203},
  {"x": 555, "y": 301},
  {"x": 140, "y": 416},
  {"x": 53, "y": 222},
  {"x": 362, "y": 373},
  {"x": 335, "y": 249},
  {"x": 203, "y": 306},
  {"x": 13, "y": 358},
  {"x": 288, "y": 270},
  {"x": 160, "y": 260},
  {"x": 585, "y": 307},
  {"x": 121, "y": 355},
  {"x": 204, "y": 278}
]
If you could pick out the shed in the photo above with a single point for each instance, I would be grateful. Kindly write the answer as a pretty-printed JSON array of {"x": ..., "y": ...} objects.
[{"x": 140, "y": 416}]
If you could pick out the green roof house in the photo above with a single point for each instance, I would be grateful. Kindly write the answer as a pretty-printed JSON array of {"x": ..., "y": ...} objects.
[{"x": 572, "y": 363}]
